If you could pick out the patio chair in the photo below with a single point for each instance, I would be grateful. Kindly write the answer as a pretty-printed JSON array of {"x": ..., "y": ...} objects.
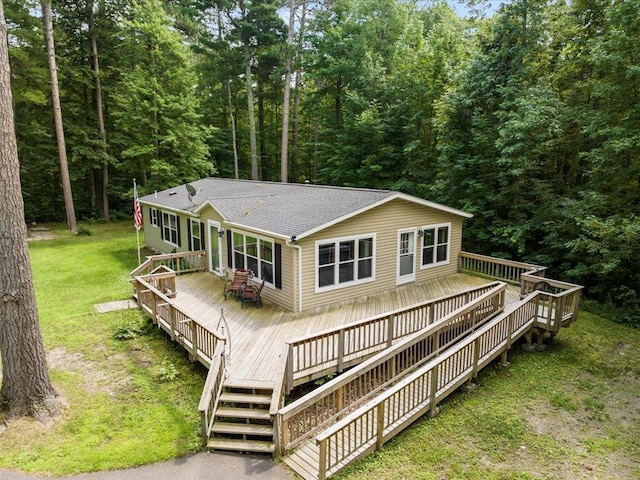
[
  {"x": 235, "y": 285},
  {"x": 252, "y": 293}
]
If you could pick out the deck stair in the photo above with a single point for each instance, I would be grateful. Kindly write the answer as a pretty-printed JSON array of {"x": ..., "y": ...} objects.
[{"x": 242, "y": 421}]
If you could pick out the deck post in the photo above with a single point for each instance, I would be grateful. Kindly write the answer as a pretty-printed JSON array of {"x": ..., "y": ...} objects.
[
  {"x": 476, "y": 357},
  {"x": 137, "y": 288},
  {"x": 380, "y": 425},
  {"x": 154, "y": 308}
]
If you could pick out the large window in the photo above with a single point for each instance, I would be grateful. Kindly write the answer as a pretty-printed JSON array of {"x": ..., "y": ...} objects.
[
  {"x": 171, "y": 228},
  {"x": 255, "y": 254},
  {"x": 436, "y": 241},
  {"x": 196, "y": 232},
  {"x": 343, "y": 262}
]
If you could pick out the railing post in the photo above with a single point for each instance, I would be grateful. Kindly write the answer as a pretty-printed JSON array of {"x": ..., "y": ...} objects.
[
  {"x": 509, "y": 331},
  {"x": 154, "y": 308},
  {"x": 341, "y": 350},
  {"x": 476, "y": 357},
  {"x": 289, "y": 369},
  {"x": 380, "y": 425},
  {"x": 433, "y": 407},
  {"x": 194, "y": 340},
  {"x": 322, "y": 461},
  {"x": 204, "y": 422},
  {"x": 390, "y": 324},
  {"x": 172, "y": 321}
]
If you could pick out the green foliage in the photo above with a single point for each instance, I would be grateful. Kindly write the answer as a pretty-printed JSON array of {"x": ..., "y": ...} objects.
[
  {"x": 129, "y": 327},
  {"x": 83, "y": 231},
  {"x": 167, "y": 371}
]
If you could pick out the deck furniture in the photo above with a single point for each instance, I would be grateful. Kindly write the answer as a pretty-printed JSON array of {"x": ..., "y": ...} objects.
[
  {"x": 236, "y": 285},
  {"x": 251, "y": 293}
]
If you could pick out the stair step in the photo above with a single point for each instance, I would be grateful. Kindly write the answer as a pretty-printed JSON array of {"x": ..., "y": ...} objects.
[
  {"x": 249, "y": 413},
  {"x": 241, "y": 445},
  {"x": 245, "y": 398},
  {"x": 242, "y": 429}
]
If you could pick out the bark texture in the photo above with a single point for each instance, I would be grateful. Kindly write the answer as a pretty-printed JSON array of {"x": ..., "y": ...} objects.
[{"x": 26, "y": 387}]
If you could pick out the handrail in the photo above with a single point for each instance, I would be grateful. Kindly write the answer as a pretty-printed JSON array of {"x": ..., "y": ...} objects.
[
  {"x": 193, "y": 261},
  {"x": 212, "y": 391},
  {"x": 498, "y": 268},
  {"x": 200, "y": 342},
  {"x": 372, "y": 425},
  {"x": 335, "y": 349},
  {"x": 306, "y": 415}
]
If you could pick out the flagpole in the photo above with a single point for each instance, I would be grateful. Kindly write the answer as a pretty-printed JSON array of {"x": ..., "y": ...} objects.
[{"x": 135, "y": 200}]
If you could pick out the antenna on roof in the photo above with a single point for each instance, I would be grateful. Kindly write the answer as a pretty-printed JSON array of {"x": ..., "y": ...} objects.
[{"x": 192, "y": 192}]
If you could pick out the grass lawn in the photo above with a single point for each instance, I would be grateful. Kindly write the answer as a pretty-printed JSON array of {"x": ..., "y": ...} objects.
[
  {"x": 128, "y": 402},
  {"x": 571, "y": 412}
]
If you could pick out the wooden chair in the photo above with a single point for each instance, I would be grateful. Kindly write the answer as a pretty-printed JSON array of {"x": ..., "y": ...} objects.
[
  {"x": 235, "y": 285},
  {"x": 252, "y": 294}
]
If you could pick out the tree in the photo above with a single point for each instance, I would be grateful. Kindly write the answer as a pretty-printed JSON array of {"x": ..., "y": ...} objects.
[
  {"x": 26, "y": 386},
  {"x": 57, "y": 115}
]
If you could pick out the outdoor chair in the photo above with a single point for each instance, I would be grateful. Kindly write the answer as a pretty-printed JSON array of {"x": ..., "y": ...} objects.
[
  {"x": 235, "y": 285},
  {"x": 252, "y": 293}
]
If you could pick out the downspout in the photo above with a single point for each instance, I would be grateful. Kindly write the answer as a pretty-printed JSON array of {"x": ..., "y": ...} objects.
[{"x": 289, "y": 243}]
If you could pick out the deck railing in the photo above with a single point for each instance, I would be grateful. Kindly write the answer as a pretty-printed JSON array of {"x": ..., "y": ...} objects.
[
  {"x": 505, "y": 270},
  {"x": 339, "y": 348},
  {"x": 372, "y": 425},
  {"x": 200, "y": 342},
  {"x": 181, "y": 262},
  {"x": 212, "y": 391},
  {"x": 304, "y": 417}
]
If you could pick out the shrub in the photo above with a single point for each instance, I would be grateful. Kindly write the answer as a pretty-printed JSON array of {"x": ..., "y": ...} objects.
[{"x": 168, "y": 371}]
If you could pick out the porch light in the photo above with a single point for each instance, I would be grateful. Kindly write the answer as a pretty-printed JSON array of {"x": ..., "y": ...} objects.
[
  {"x": 221, "y": 232},
  {"x": 420, "y": 232}
]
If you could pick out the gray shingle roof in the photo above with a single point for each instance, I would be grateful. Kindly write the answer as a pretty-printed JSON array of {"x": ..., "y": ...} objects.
[{"x": 283, "y": 209}]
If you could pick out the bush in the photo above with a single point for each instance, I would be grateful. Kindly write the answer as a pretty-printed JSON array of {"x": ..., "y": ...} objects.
[
  {"x": 168, "y": 371},
  {"x": 83, "y": 232},
  {"x": 129, "y": 327}
]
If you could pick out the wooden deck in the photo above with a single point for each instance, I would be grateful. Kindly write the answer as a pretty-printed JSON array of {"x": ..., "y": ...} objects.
[{"x": 257, "y": 336}]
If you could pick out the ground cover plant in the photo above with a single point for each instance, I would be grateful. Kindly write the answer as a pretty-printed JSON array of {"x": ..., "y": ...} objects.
[{"x": 122, "y": 408}]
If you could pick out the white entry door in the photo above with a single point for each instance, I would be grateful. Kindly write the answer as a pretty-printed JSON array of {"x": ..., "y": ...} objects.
[
  {"x": 406, "y": 256},
  {"x": 215, "y": 248}
]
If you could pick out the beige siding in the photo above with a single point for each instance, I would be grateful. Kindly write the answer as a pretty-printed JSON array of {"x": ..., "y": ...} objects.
[{"x": 384, "y": 222}]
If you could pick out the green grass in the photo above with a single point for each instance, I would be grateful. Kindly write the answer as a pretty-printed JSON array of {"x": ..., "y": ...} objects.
[
  {"x": 571, "y": 411},
  {"x": 128, "y": 402}
]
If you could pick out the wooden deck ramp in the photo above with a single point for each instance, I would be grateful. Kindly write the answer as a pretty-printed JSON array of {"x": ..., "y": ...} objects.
[{"x": 369, "y": 423}]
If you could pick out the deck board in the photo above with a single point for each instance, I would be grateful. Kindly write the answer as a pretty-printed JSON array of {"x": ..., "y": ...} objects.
[{"x": 257, "y": 335}]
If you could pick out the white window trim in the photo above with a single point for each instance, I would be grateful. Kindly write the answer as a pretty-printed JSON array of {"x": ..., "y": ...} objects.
[
  {"x": 153, "y": 217},
  {"x": 256, "y": 277},
  {"x": 191, "y": 236},
  {"x": 164, "y": 225},
  {"x": 336, "y": 241},
  {"x": 435, "y": 246}
]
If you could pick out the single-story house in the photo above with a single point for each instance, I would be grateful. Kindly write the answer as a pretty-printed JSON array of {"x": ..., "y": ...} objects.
[{"x": 311, "y": 244}]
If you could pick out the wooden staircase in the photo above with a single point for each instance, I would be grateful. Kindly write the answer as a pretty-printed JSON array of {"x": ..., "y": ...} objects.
[{"x": 242, "y": 421}]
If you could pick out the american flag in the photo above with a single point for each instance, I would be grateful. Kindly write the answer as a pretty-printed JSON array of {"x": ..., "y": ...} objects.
[{"x": 137, "y": 211}]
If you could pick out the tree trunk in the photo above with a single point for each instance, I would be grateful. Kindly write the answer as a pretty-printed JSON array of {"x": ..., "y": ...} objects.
[
  {"x": 284, "y": 150},
  {"x": 293, "y": 167},
  {"x": 57, "y": 116},
  {"x": 252, "y": 118},
  {"x": 101, "y": 128},
  {"x": 26, "y": 386}
]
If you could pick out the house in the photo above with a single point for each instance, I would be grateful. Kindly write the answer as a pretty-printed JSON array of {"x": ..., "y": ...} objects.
[{"x": 311, "y": 244}]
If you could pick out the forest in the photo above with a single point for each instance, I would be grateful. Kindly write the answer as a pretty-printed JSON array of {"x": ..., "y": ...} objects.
[{"x": 529, "y": 118}]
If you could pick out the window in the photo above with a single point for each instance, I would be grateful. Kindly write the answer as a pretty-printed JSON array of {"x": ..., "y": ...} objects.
[
  {"x": 171, "y": 228},
  {"x": 435, "y": 245},
  {"x": 255, "y": 254},
  {"x": 344, "y": 262},
  {"x": 153, "y": 215},
  {"x": 196, "y": 232}
]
